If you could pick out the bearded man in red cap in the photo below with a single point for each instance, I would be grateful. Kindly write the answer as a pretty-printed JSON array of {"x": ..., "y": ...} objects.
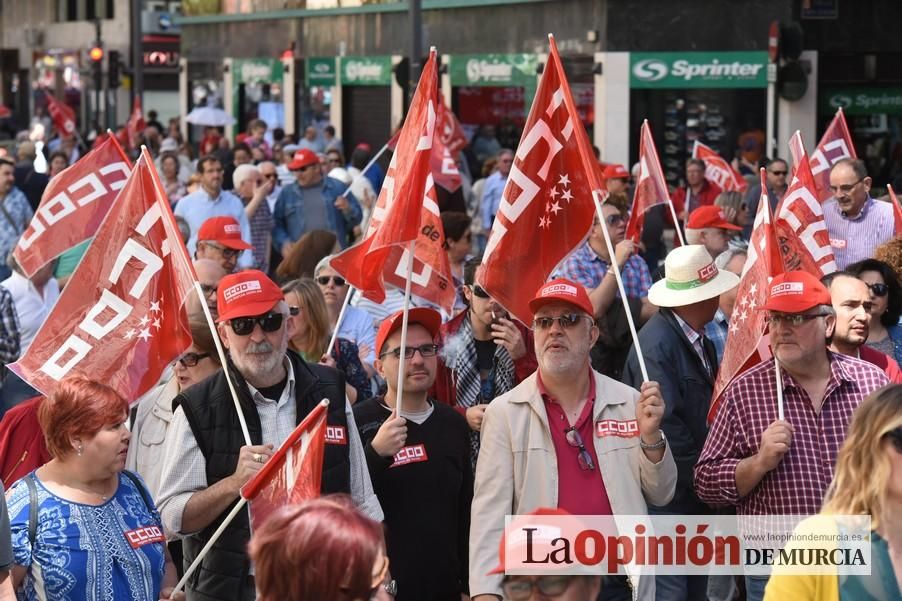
[
  {"x": 207, "y": 459},
  {"x": 570, "y": 438},
  {"x": 764, "y": 465}
]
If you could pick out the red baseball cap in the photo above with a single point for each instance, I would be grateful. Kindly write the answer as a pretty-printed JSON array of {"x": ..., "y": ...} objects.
[
  {"x": 302, "y": 158},
  {"x": 562, "y": 289},
  {"x": 222, "y": 230},
  {"x": 795, "y": 292},
  {"x": 616, "y": 171},
  {"x": 428, "y": 318},
  {"x": 709, "y": 216},
  {"x": 246, "y": 294}
]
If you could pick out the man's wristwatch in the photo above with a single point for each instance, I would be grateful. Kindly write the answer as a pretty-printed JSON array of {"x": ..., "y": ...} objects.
[{"x": 657, "y": 445}]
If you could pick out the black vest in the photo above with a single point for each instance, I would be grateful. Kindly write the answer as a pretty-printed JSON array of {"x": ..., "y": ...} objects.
[{"x": 210, "y": 411}]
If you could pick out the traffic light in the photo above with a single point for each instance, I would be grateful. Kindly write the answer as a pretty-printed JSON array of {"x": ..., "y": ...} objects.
[
  {"x": 96, "y": 54},
  {"x": 113, "y": 72}
]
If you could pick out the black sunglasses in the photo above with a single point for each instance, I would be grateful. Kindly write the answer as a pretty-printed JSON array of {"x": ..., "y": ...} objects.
[
  {"x": 323, "y": 280},
  {"x": 575, "y": 440},
  {"x": 779, "y": 172},
  {"x": 192, "y": 359},
  {"x": 270, "y": 322},
  {"x": 567, "y": 321},
  {"x": 879, "y": 289},
  {"x": 478, "y": 291}
]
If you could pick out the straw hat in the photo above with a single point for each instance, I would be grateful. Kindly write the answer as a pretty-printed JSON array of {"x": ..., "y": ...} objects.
[{"x": 691, "y": 277}]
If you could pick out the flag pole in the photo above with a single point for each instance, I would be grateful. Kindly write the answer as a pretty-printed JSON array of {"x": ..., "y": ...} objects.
[
  {"x": 779, "y": 389},
  {"x": 203, "y": 552},
  {"x": 623, "y": 298},
  {"x": 341, "y": 315},
  {"x": 403, "y": 349},
  {"x": 366, "y": 168}
]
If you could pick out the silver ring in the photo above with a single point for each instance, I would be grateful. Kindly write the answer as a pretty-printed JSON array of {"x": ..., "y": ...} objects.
[{"x": 258, "y": 457}]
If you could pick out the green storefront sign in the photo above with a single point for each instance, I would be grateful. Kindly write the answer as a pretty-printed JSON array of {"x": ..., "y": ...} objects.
[
  {"x": 365, "y": 70},
  {"x": 862, "y": 101},
  {"x": 320, "y": 71},
  {"x": 493, "y": 70},
  {"x": 247, "y": 71},
  {"x": 660, "y": 70}
]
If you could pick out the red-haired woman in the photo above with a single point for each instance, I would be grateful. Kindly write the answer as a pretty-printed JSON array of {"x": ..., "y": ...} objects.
[
  {"x": 321, "y": 549},
  {"x": 81, "y": 528}
]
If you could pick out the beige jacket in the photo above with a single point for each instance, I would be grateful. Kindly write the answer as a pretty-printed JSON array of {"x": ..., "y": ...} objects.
[{"x": 517, "y": 472}]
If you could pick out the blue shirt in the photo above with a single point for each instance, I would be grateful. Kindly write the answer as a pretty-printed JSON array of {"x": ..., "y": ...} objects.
[
  {"x": 491, "y": 198},
  {"x": 585, "y": 267},
  {"x": 290, "y": 218},
  {"x": 114, "y": 551},
  {"x": 357, "y": 326},
  {"x": 20, "y": 214},
  {"x": 716, "y": 331},
  {"x": 199, "y": 206},
  {"x": 854, "y": 239}
]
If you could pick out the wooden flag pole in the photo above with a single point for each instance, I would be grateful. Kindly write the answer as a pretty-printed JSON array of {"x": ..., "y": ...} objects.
[
  {"x": 596, "y": 196},
  {"x": 402, "y": 362}
]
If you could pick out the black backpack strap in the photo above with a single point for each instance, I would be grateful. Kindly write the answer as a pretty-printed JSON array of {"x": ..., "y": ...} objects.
[
  {"x": 32, "y": 509},
  {"x": 145, "y": 494}
]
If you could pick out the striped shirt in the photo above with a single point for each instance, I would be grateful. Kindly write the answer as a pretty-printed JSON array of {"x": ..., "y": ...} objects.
[
  {"x": 798, "y": 484},
  {"x": 856, "y": 239}
]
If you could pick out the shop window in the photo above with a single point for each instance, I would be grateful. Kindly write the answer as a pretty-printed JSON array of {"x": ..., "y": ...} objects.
[{"x": 84, "y": 10}]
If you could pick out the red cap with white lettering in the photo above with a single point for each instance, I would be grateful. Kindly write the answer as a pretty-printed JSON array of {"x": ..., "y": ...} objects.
[
  {"x": 222, "y": 230},
  {"x": 562, "y": 289},
  {"x": 246, "y": 294},
  {"x": 795, "y": 292}
]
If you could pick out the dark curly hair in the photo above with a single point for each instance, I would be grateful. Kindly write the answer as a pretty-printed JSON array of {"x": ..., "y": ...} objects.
[{"x": 894, "y": 300}]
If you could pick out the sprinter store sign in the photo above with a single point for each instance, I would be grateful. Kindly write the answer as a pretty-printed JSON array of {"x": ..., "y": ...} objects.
[{"x": 698, "y": 70}]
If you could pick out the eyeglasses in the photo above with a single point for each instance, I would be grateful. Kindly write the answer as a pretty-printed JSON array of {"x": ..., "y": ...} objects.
[
  {"x": 616, "y": 219},
  {"x": 270, "y": 322},
  {"x": 323, "y": 280},
  {"x": 566, "y": 321},
  {"x": 550, "y": 586},
  {"x": 426, "y": 350},
  {"x": 480, "y": 292},
  {"x": 575, "y": 440},
  {"x": 783, "y": 172},
  {"x": 794, "y": 320},
  {"x": 845, "y": 188},
  {"x": 895, "y": 437},
  {"x": 208, "y": 289},
  {"x": 879, "y": 289},
  {"x": 192, "y": 359},
  {"x": 227, "y": 253}
]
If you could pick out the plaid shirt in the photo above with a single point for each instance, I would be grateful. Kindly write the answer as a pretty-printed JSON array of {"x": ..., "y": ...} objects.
[
  {"x": 261, "y": 235},
  {"x": 9, "y": 329},
  {"x": 587, "y": 268},
  {"x": 798, "y": 484},
  {"x": 716, "y": 332}
]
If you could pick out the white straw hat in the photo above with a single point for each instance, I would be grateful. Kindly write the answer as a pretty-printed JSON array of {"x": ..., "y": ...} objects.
[{"x": 691, "y": 277}]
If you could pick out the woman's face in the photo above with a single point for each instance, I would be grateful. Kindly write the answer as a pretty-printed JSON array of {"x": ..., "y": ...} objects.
[
  {"x": 742, "y": 216},
  {"x": 333, "y": 293},
  {"x": 57, "y": 164},
  {"x": 193, "y": 367},
  {"x": 170, "y": 167},
  {"x": 299, "y": 320},
  {"x": 108, "y": 448},
  {"x": 459, "y": 249},
  {"x": 875, "y": 280}
]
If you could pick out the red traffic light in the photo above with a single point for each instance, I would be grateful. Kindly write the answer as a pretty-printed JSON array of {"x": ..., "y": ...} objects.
[{"x": 96, "y": 54}]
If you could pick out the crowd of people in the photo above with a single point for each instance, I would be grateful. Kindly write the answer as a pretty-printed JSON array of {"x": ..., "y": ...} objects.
[{"x": 493, "y": 417}]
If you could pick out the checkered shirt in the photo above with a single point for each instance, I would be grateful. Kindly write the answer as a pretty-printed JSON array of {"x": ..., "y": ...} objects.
[{"x": 587, "y": 268}]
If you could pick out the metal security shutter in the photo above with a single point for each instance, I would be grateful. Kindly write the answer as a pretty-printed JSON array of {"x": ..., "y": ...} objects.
[{"x": 366, "y": 115}]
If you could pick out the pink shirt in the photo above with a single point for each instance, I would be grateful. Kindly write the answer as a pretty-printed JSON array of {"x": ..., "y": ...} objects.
[{"x": 580, "y": 492}]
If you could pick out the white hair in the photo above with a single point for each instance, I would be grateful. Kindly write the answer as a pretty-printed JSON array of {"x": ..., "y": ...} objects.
[
  {"x": 242, "y": 173},
  {"x": 323, "y": 264}
]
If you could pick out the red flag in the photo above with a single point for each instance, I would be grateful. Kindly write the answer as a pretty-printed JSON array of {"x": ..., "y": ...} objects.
[
  {"x": 651, "y": 187},
  {"x": 799, "y": 220},
  {"x": 405, "y": 211},
  {"x": 62, "y": 114},
  {"x": 73, "y": 205},
  {"x": 747, "y": 323},
  {"x": 718, "y": 170},
  {"x": 546, "y": 208},
  {"x": 897, "y": 210},
  {"x": 836, "y": 144},
  {"x": 120, "y": 319},
  {"x": 445, "y": 147},
  {"x": 135, "y": 124},
  {"x": 449, "y": 129},
  {"x": 294, "y": 472}
]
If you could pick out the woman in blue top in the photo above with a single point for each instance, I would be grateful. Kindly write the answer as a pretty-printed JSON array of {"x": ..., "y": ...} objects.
[{"x": 83, "y": 529}]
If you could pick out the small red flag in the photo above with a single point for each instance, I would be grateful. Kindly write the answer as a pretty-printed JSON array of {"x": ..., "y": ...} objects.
[
  {"x": 62, "y": 114},
  {"x": 747, "y": 323},
  {"x": 836, "y": 144},
  {"x": 73, "y": 205},
  {"x": 135, "y": 124},
  {"x": 718, "y": 170},
  {"x": 897, "y": 210},
  {"x": 651, "y": 187},
  {"x": 546, "y": 208},
  {"x": 120, "y": 320},
  {"x": 445, "y": 147},
  {"x": 799, "y": 220},
  {"x": 406, "y": 211},
  {"x": 293, "y": 473}
]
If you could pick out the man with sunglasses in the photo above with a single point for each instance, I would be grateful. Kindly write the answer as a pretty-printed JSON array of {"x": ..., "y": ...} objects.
[
  {"x": 219, "y": 239},
  {"x": 313, "y": 202},
  {"x": 764, "y": 465},
  {"x": 684, "y": 362},
  {"x": 857, "y": 223},
  {"x": 357, "y": 325},
  {"x": 851, "y": 300},
  {"x": 207, "y": 460},
  {"x": 419, "y": 463},
  {"x": 567, "y": 437}
]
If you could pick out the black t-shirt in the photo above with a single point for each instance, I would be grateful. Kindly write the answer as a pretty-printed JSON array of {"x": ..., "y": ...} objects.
[{"x": 485, "y": 355}]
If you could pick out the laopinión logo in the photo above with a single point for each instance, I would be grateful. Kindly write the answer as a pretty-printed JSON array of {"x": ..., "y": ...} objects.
[{"x": 651, "y": 69}]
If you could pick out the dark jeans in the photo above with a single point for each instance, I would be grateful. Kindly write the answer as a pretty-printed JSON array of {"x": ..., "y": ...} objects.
[
  {"x": 681, "y": 588},
  {"x": 615, "y": 588},
  {"x": 754, "y": 587}
]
